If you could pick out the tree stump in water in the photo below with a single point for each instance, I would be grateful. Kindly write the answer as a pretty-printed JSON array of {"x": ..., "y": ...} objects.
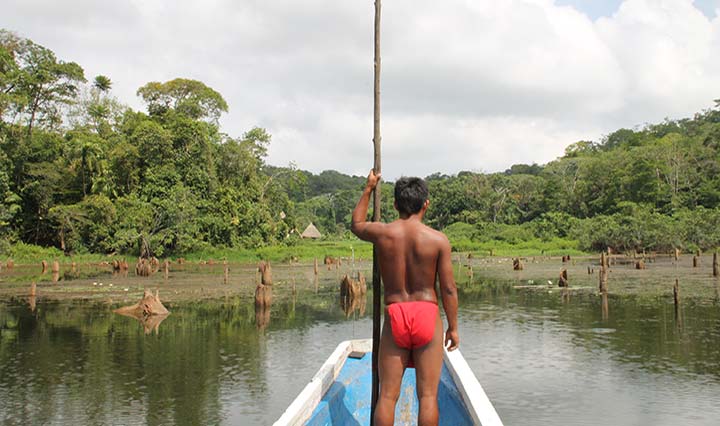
[
  {"x": 696, "y": 261},
  {"x": 149, "y": 305},
  {"x": 330, "y": 261},
  {"x": 563, "y": 280},
  {"x": 603, "y": 275},
  {"x": 352, "y": 294},
  {"x": 154, "y": 264},
  {"x": 143, "y": 268},
  {"x": 517, "y": 264},
  {"x": 44, "y": 266},
  {"x": 265, "y": 273}
]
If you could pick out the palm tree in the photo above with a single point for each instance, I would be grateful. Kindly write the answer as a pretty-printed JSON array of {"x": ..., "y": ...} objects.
[
  {"x": 102, "y": 83},
  {"x": 88, "y": 154}
]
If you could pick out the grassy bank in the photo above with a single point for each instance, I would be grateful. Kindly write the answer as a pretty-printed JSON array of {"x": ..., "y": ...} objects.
[
  {"x": 533, "y": 247},
  {"x": 304, "y": 250}
]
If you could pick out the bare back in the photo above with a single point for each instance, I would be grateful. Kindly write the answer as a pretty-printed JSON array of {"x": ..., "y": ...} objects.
[{"x": 409, "y": 252}]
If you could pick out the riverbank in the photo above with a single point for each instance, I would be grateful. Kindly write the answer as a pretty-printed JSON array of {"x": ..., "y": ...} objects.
[{"x": 206, "y": 279}]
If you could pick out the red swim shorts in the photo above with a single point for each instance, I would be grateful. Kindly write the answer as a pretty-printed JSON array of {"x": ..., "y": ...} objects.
[{"x": 413, "y": 323}]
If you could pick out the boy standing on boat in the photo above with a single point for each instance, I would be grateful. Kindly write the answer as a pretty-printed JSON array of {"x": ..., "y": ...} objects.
[{"x": 411, "y": 256}]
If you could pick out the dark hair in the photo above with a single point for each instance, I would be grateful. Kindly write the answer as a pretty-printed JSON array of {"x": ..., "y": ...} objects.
[{"x": 410, "y": 194}]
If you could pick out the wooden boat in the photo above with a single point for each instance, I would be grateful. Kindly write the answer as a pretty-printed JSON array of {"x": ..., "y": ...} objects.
[{"x": 339, "y": 394}]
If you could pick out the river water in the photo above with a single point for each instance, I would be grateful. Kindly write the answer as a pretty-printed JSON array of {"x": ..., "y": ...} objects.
[{"x": 543, "y": 358}]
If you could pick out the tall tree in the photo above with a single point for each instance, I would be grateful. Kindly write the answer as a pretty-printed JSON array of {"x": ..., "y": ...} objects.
[
  {"x": 39, "y": 83},
  {"x": 191, "y": 98}
]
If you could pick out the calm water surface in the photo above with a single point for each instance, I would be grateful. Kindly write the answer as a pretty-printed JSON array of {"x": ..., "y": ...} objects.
[{"x": 542, "y": 359}]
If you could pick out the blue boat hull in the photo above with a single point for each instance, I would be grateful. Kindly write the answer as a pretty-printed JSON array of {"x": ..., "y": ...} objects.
[{"x": 347, "y": 401}]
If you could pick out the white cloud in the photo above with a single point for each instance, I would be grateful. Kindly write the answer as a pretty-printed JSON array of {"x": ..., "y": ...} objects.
[{"x": 475, "y": 85}]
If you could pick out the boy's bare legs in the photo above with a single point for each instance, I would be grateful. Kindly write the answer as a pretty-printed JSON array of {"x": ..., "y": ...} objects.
[
  {"x": 391, "y": 365},
  {"x": 428, "y": 367}
]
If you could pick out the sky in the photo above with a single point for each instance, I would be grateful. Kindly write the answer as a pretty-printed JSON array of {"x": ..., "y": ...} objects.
[{"x": 473, "y": 85}]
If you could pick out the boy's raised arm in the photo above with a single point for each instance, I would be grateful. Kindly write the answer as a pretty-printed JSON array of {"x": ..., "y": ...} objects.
[{"x": 367, "y": 231}]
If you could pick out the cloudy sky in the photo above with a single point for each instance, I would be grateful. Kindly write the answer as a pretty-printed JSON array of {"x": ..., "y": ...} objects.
[{"x": 467, "y": 84}]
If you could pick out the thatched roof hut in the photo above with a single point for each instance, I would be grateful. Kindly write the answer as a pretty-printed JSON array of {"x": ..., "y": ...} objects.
[{"x": 311, "y": 232}]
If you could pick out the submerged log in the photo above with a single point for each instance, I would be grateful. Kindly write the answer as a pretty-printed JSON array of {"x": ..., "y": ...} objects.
[{"x": 149, "y": 305}]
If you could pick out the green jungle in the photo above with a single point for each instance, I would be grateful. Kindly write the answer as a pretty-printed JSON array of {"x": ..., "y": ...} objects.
[{"x": 83, "y": 175}]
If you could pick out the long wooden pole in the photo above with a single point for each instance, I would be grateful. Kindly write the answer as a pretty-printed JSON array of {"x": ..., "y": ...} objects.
[{"x": 377, "y": 290}]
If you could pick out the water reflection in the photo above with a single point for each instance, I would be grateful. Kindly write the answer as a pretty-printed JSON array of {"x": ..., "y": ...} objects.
[
  {"x": 605, "y": 306},
  {"x": 150, "y": 323},
  {"x": 235, "y": 361}
]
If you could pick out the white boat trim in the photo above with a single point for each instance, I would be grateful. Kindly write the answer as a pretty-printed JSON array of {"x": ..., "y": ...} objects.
[
  {"x": 476, "y": 400},
  {"x": 300, "y": 410}
]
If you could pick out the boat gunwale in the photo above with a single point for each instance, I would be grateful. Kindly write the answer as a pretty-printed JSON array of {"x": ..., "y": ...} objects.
[
  {"x": 301, "y": 409},
  {"x": 474, "y": 397}
]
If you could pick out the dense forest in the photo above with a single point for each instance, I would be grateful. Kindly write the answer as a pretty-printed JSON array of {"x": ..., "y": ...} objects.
[{"x": 82, "y": 172}]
